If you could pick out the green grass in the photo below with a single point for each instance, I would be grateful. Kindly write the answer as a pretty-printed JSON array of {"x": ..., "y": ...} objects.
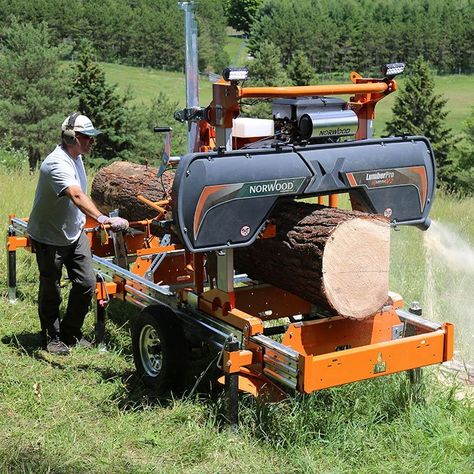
[
  {"x": 88, "y": 413},
  {"x": 237, "y": 50},
  {"x": 145, "y": 84}
]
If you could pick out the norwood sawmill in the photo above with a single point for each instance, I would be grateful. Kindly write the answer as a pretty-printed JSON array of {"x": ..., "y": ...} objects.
[{"x": 240, "y": 246}]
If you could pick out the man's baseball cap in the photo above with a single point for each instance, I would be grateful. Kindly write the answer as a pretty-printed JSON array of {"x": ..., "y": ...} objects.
[{"x": 80, "y": 124}]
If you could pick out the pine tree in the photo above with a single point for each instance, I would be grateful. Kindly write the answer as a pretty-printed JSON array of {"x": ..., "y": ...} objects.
[
  {"x": 419, "y": 111},
  {"x": 107, "y": 109},
  {"x": 265, "y": 70},
  {"x": 149, "y": 145},
  {"x": 463, "y": 159},
  {"x": 33, "y": 90},
  {"x": 300, "y": 70}
]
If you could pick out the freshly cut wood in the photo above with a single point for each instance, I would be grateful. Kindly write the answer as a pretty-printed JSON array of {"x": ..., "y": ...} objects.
[
  {"x": 336, "y": 259},
  {"x": 117, "y": 186}
]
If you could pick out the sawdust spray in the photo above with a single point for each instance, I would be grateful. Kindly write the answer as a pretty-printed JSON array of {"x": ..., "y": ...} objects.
[{"x": 449, "y": 287}]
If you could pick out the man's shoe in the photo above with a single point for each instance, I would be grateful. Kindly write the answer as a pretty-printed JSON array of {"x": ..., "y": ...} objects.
[
  {"x": 75, "y": 342},
  {"x": 83, "y": 342},
  {"x": 56, "y": 346}
]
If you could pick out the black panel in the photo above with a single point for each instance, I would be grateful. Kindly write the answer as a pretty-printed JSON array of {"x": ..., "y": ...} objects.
[
  {"x": 215, "y": 196},
  {"x": 233, "y": 219}
]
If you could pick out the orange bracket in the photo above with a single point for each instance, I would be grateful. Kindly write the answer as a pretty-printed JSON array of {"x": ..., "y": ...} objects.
[
  {"x": 105, "y": 289},
  {"x": 14, "y": 243},
  {"x": 217, "y": 303},
  {"x": 235, "y": 360}
]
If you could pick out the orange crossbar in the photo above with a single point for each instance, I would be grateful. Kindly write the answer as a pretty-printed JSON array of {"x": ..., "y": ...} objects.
[
  {"x": 295, "y": 91},
  {"x": 14, "y": 243}
]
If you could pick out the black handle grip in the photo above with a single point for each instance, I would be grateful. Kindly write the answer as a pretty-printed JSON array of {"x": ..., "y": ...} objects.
[{"x": 162, "y": 129}]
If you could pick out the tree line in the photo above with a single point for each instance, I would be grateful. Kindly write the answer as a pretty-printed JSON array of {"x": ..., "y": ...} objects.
[
  {"x": 37, "y": 91},
  {"x": 345, "y": 35},
  {"x": 332, "y": 35},
  {"x": 146, "y": 33},
  {"x": 36, "y": 88}
]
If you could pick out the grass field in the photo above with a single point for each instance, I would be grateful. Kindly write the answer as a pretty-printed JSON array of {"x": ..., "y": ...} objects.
[{"x": 88, "y": 413}]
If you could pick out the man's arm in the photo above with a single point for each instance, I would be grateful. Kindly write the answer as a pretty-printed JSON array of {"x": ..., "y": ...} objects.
[
  {"x": 82, "y": 201},
  {"x": 85, "y": 204}
]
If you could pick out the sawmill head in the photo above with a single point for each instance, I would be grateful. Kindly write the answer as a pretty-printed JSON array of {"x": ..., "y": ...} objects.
[
  {"x": 223, "y": 199},
  {"x": 313, "y": 119}
]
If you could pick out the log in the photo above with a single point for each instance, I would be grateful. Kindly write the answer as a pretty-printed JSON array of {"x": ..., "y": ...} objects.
[
  {"x": 333, "y": 258},
  {"x": 117, "y": 186}
]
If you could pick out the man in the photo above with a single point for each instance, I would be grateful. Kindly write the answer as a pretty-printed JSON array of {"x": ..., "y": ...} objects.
[{"x": 56, "y": 227}]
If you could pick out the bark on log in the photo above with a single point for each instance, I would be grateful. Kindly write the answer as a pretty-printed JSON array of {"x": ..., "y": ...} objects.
[
  {"x": 117, "y": 186},
  {"x": 336, "y": 259}
]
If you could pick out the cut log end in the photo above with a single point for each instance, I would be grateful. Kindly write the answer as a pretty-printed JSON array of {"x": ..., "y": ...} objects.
[
  {"x": 335, "y": 259},
  {"x": 356, "y": 267}
]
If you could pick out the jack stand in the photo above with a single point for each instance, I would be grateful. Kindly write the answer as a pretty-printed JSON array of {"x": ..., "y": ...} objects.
[
  {"x": 11, "y": 274},
  {"x": 100, "y": 320},
  {"x": 232, "y": 389},
  {"x": 415, "y": 376}
]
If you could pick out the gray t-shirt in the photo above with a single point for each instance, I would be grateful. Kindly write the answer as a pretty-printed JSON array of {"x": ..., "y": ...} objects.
[{"x": 54, "y": 219}]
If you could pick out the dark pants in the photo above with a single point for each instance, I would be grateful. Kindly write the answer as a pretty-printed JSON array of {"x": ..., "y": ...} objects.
[{"x": 78, "y": 262}]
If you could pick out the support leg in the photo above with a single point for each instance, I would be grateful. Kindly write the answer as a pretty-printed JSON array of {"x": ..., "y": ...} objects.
[
  {"x": 415, "y": 375},
  {"x": 232, "y": 394},
  {"x": 232, "y": 389},
  {"x": 12, "y": 276},
  {"x": 100, "y": 319}
]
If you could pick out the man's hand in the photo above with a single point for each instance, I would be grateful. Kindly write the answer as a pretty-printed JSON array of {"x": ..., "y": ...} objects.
[{"x": 117, "y": 224}]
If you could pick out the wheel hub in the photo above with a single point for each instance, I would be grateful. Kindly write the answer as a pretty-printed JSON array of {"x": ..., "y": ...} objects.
[{"x": 150, "y": 350}]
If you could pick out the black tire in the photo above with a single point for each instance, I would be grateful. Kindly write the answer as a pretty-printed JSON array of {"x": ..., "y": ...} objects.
[{"x": 159, "y": 349}]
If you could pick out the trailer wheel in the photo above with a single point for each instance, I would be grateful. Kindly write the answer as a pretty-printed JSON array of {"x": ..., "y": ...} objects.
[{"x": 159, "y": 348}]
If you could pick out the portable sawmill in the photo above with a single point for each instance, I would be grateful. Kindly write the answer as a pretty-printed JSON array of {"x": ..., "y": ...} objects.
[
  {"x": 222, "y": 200},
  {"x": 179, "y": 265}
]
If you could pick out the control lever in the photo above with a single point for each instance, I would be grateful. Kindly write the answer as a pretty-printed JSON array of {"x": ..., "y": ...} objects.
[{"x": 165, "y": 158}]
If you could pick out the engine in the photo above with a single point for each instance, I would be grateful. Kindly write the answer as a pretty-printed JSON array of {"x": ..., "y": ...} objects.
[{"x": 313, "y": 120}]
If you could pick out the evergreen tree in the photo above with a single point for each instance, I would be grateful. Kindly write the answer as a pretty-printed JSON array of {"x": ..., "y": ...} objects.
[
  {"x": 149, "y": 145},
  {"x": 107, "y": 109},
  {"x": 265, "y": 70},
  {"x": 300, "y": 70},
  {"x": 33, "y": 91},
  {"x": 463, "y": 159},
  {"x": 212, "y": 25},
  {"x": 419, "y": 111}
]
